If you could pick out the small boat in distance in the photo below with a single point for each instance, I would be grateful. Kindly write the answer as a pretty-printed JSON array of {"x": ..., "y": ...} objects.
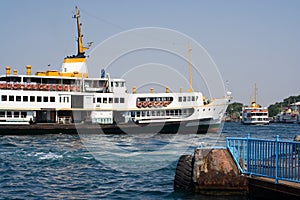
[
  {"x": 289, "y": 114},
  {"x": 255, "y": 114},
  {"x": 55, "y": 101}
]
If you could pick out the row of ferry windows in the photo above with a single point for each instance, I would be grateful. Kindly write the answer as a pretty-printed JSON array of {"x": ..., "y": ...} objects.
[
  {"x": 161, "y": 113},
  {"x": 117, "y": 84},
  {"x": 27, "y": 98},
  {"x": 109, "y": 100},
  {"x": 10, "y": 114},
  {"x": 187, "y": 98},
  {"x": 33, "y": 98},
  {"x": 258, "y": 114}
]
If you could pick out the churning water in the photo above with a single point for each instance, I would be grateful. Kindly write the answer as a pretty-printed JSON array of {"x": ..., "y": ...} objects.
[{"x": 125, "y": 167}]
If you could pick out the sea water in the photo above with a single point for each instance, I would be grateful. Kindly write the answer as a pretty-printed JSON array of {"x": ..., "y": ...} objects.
[{"x": 111, "y": 167}]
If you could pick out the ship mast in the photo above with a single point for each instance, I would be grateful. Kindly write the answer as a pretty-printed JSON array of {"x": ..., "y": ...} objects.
[
  {"x": 76, "y": 63},
  {"x": 253, "y": 103},
  {"x": 81, "y": 49},
  {"x": 255, "y": 92},
  {"x": 190, "y": 68}
]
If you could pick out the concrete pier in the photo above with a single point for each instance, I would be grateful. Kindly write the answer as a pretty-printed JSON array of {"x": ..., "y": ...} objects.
[
  {"x": 265, "y": 188},
  {"x": 214, "y": 169},
  {"x": 213, "y": 172}
]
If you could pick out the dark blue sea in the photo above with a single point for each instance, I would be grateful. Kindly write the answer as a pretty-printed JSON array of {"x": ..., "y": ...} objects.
[{"x": 109, "y": 166}]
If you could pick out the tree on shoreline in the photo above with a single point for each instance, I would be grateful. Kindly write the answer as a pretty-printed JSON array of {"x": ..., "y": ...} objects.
[{"x": 233, "y": 110}]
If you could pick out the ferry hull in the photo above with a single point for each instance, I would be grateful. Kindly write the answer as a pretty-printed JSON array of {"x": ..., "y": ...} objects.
[
  {"x": 162, "y": 128},
  {"x": 255, "y": 123}
]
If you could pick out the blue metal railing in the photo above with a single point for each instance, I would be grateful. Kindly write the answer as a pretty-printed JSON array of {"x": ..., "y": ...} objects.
[{"x": 268, "y": 158}]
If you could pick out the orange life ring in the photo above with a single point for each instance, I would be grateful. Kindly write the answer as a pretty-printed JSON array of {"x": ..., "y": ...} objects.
[
  {"x": 66, "y": 87},
  {"x": 35, "y": 87},
  {"x": 150, "y": 104},
  {"x": 28, "y": 86},
  {"x": 165, "y": 103},
  {"x": 78, "y": 88},
  {"x": 161, "y": 104},
  {"x": 2, "y": 85},
  {"x": 16, "y": 86},
  {"x": 156, "y": 103},
  {"x": 59, "y": 87},
  {"x": 139, "y": 104},
  {"x": 71, "y": 87},
  {"x": 41, "y": 86},
  {"x": 22, "y": 86},
  {"x": 145, "y": 104},
  {"x": 47, "y": 87},
  {"x": 53, "y": 87}
]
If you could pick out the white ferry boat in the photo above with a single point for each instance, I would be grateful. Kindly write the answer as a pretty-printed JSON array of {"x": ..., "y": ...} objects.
[
  {"x": 55, "y": 101},
  {"x": 289, "y": 114},
  {"x": 255, "y": 114}
]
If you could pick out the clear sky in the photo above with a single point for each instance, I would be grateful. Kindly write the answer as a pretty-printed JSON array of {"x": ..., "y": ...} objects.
[{"x": 250, "y": 41}]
